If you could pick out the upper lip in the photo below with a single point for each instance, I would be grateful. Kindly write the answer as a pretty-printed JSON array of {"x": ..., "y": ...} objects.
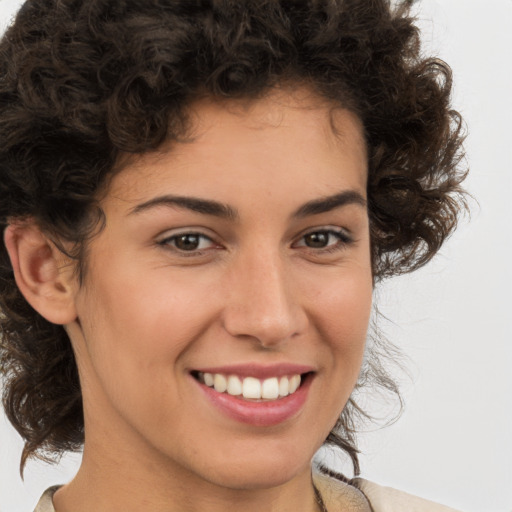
[{"x": 257, "y": 370}]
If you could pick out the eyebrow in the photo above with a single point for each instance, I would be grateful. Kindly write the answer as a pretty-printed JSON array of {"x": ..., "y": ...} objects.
[
  {"x": 326, "y": 204},
  {"x": 217, "y": 209},
  {"x": 204, "y": 206}
]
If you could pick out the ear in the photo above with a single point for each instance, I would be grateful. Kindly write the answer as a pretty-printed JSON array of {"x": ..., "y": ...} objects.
[{"x": 43, "y": 273}]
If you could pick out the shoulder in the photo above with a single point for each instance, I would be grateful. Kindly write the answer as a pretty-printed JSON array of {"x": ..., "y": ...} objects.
[
  {"x": 380, "y": 498},
  {"x": 387, "y": 499},
  {"x": 45, "y": 504}
]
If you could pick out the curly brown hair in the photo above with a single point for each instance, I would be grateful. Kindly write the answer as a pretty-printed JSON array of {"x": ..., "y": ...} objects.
[{"x": 83, "y": 80}]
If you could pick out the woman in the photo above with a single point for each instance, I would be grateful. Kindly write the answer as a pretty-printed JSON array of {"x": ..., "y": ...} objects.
[{"x": 198, "y": 200}]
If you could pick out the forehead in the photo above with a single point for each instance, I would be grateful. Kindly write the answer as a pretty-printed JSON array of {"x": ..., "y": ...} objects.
[{"x": 290, "y": 138}]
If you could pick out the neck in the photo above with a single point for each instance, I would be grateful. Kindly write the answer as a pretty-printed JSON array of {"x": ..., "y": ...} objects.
[{"x": 124, "y": 482}]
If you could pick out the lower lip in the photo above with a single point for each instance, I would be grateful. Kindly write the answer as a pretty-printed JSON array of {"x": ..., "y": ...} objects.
[{"x": 261, "y": 414}]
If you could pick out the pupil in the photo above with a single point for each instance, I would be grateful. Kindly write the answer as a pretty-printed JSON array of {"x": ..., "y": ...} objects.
[
  {"x": 187, "y": 242},
  {"x": 317, "y": 239}
]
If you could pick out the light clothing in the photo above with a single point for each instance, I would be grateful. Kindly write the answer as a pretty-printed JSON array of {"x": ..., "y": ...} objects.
[
  {"x": 333, "y": 491},
  {"x": 382, "y": 499},
  {"x": 45, "y": 504}
]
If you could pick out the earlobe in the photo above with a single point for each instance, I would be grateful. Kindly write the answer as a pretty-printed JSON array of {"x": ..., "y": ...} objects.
[{"x": 41, "y": 272}]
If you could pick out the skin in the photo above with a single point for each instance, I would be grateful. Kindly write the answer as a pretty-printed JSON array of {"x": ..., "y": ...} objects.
[{"x": 254, "y": 292}]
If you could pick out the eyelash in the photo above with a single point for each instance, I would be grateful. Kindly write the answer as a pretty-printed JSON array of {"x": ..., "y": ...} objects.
[
  {"x": 343, "y": 240},
  {"x": 171, "y": 240}
]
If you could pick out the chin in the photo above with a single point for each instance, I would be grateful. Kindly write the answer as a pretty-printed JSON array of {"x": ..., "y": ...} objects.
[
  {"x": 255, "y": 478},
  {"x": 256, "y": 471}
]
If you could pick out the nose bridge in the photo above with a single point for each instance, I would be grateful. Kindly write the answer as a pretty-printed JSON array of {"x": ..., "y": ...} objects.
[{"x": 262, "y": 304}]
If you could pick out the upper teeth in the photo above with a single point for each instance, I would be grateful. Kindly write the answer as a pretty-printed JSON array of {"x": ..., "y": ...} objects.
[{"x": 251, "y": 387}]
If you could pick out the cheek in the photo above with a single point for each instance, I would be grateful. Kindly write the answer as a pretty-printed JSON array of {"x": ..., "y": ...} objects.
[
  {"x": 342, "y": 312},
  {"x": 135, "y": 332},
  {"x": 134, "y": 322},
  {"x": 147, "y": 317}
]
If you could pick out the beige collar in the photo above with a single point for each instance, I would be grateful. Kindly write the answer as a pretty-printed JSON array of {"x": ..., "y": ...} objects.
[
  {"x": 340, "y": 496},
  {"x": 45, "y": 504},
  {"x": 362, "y": 496}
]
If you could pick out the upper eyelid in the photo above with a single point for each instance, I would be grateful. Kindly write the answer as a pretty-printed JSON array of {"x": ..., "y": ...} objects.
[
  {"x": 213, "y": 237},
  {"x": 172, "y": 233},
  {"x": 192, "y": 233},
  {"x": 326, "y": 229}
]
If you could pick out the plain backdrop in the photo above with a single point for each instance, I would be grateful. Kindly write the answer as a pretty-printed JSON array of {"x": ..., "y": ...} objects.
[{"x": 453, "y": 319}]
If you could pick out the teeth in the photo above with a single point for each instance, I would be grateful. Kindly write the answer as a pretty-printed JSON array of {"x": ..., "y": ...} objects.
[
  {"x": 270, "y": 389},
  {"x": 251, "y": 387},
  {"x": 284, "y": 386},
  {"x": 220, "y": 383},
  {"x": 294, "y": 384},
  {"x": 234, "y": 385}
]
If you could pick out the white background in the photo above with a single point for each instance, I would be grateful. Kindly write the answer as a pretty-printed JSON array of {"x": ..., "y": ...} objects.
[{"x": 453, "y": 443}]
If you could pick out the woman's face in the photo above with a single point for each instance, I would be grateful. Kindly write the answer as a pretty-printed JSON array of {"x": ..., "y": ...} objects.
[{"x": 240, "y": 258}]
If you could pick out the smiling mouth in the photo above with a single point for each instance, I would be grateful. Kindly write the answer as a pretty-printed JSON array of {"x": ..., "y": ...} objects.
[{"x": 251, "y": 388}]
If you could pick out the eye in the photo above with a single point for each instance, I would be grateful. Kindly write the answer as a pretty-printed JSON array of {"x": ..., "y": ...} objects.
[
  {"x": 188, "y": 242},
  {"x": 326, "y": 239}
]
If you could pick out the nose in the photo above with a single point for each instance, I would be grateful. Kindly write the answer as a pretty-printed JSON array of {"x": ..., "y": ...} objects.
[{"x": 263, "y": 304}]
